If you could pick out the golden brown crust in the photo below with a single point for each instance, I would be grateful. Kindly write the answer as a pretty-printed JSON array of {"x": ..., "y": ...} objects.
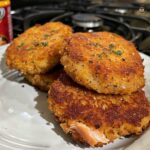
[
  {"x": 104, "y": 62},
  {"x": 38, "y": 49},
  {"x": 113, "y": 115},
  {"x": 44, "y": 81}
]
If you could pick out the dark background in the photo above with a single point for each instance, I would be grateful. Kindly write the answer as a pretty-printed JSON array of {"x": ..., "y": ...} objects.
[{"x": 22, "y": 3}]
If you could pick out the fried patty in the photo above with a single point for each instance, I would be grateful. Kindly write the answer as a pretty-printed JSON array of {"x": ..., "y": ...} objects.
[
  {"x": 104, "y": 62},
  {"x": 44, "y": 81},
  {"x": 97, "y": 119},
  {"x": 38, "y": 49}
]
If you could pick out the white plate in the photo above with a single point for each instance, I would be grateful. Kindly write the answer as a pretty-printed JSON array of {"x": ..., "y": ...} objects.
[{"x": 27, "y": 124}]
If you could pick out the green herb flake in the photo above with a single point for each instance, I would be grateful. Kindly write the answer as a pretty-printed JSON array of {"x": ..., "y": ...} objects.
[
  {"x": 111, "y": 46},
  {"x": 46, "y": 35},
  {"x": 44, "y": 44},
  {"x": 20, "y": 45},
  {"x": 118, "y": 52},
  {"x": 30, "y": 48}
]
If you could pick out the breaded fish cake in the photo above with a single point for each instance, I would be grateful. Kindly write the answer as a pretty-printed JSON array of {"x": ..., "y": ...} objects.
[
  {"x": 44, "y": 81},
  {"x": 38, "y": 49},
  {"x": 104, "y": 62},
  {"x": 97, "y": 119}
]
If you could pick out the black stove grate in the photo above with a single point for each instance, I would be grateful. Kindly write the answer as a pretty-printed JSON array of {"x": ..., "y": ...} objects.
[{"x": 114, "y": 17}]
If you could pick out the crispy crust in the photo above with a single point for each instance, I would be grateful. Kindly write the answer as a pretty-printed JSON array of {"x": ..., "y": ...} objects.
[
  {"x": 38, "y": 49},
  {"x": 104, "y": 62},
  {"x": 44, "y": 81},
  {"x": 112, "y": 115}
]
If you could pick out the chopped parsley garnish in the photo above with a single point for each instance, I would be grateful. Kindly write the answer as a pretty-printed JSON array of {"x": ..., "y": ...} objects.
[
  {"x": 20, "y": 45},
  {"x": 112, "y": 49},
  {"x": 111, "y": 46},
  {"x": 117, "y": 52},
  {"x": 44, "y": 44},
  {"x": 46, "y": 35},
  {"x": 30, "y": 48}
]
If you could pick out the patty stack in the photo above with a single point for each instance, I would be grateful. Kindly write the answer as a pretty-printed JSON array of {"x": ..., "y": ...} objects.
[{"x": 98, "y": 97}]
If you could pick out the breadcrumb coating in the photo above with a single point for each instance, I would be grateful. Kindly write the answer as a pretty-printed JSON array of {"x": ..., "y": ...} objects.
[
  {"x": 97, "y": 119},
  {"x": 39, "y": 48},
  {"x": 104, "y": 62}
]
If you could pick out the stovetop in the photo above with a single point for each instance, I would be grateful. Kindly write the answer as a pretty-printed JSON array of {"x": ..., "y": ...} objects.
[{"x": 130, "y": 20}]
